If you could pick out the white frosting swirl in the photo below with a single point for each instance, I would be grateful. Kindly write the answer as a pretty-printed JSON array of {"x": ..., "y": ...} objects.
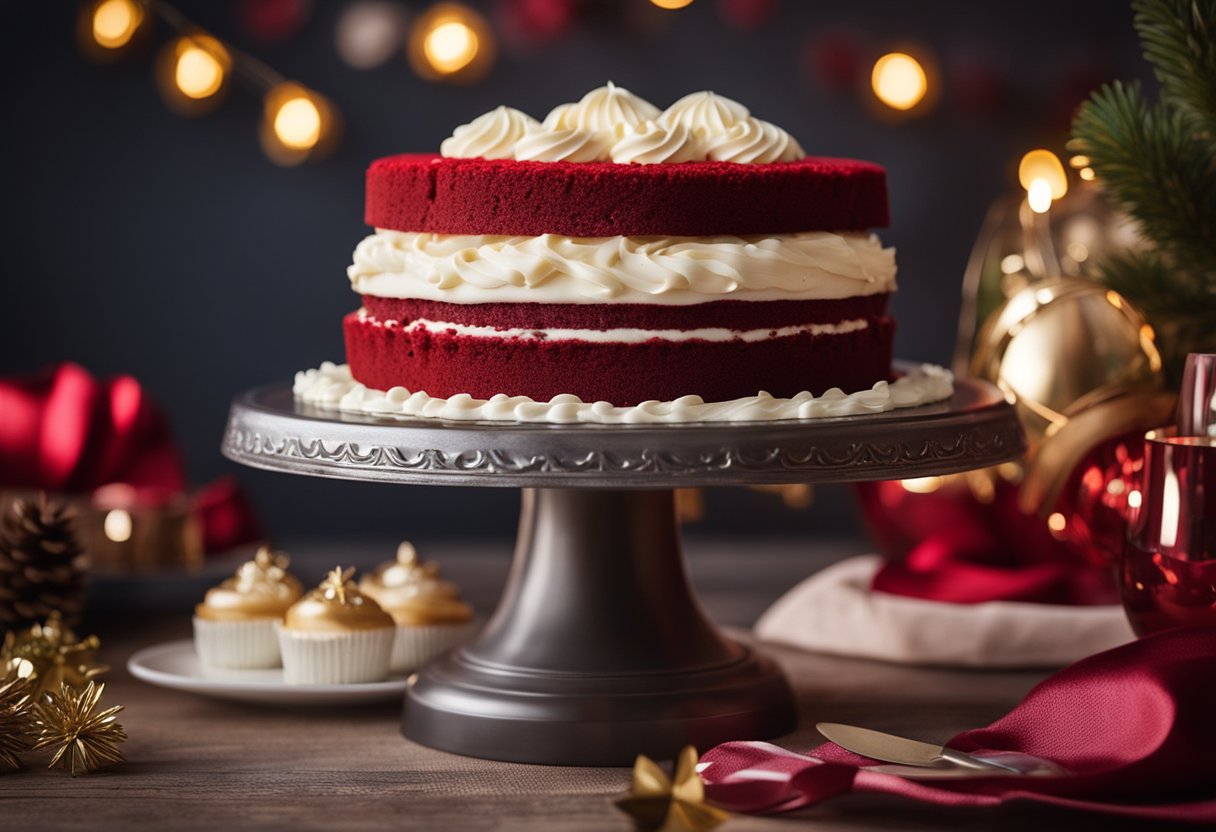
[
  {"x": 651, "y": 144},
  {"x": 551, "y": 268},
  {"x": 571, "y": 145},
  {"x": 489, "y": 136},
  {"x": 753, "y": 141},
  {"x": 609, "y": 109},
  {"x": 704, "y": 113},
  {"x": 333, "y": 387}
]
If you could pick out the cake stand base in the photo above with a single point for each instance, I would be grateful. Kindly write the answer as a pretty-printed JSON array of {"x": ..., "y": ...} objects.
[{"x": 599, "y": 650}]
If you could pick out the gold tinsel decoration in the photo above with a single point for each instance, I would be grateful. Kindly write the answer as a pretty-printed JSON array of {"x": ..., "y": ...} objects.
[
  {"x": 55, "y": 655},
  {"x": 16, "y": 706},
  {"x": 82, "y": 736},
  {"x": 658, "y": 803}
]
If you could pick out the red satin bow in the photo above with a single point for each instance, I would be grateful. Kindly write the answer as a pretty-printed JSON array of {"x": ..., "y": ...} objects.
[
  {"x": 1135, "y": 725},
  {"x": 63, "y": 430}
]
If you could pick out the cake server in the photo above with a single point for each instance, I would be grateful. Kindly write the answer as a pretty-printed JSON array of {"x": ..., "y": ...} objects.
[{"x": 942, "y": 760}]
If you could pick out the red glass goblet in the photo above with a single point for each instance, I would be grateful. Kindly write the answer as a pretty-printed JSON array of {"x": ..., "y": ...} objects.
[{"x": 1169, "y": 563}]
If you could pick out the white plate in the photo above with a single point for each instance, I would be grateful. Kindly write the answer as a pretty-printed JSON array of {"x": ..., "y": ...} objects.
[{"x": 175, "y": 665}]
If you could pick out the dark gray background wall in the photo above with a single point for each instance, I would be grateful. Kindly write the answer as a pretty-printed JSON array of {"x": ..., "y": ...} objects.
[{"x": 137, "y": 241}]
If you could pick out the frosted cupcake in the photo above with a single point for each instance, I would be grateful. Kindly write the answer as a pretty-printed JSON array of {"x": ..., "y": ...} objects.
[
  {"x": 234, "y": 626},
  {"x": 336, "y": 635},
  {"x": 428, "y": 612}
]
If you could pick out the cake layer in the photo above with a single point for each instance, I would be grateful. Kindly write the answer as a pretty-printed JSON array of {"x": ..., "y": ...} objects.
[
  {"x": 718, "y": 364},
  {"x": 425, "y": 192},
  {"x": 552, "y": 268},
  {"x": 729, "y": 314}
]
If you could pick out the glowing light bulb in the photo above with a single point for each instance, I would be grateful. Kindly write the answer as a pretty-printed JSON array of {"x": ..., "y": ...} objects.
[
  {"x": 451, "y": 42},
  {"x": 115, "y": 22},
  {"x": 298, "y": 123},
  {"x": 671, "y": 4},
  {"x": 899, "y": 81},
  {"x": 1057, "y": 522},
  {"x": 1045, "y": 165},
  {"x": 192, "y": 73},
  {"x": 450, "y": 47},
  {"x": 1079, "y": 161},
  {"x": 1087, "y": 174},
  {"x": 1038, "y": 195},
  {"x": 117, "y": 525}
]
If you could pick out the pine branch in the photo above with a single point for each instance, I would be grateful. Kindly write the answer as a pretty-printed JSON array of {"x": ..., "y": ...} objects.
[
  {"x": 1155, "y": 170},
  {"x": 1179, "y": 40}
]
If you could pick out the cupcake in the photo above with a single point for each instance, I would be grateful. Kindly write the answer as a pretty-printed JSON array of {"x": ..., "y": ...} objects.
[
  {"x": 428, "y": 612},
  {"x": 335, "y": 635},
  {"x": 234, "y": 626}
]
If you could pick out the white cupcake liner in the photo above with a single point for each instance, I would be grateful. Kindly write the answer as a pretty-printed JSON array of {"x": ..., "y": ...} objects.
[
  {"x": 311, "y": 658},
  {"x": 415, "y": 646},
  {"x": 245, "y": 645}
]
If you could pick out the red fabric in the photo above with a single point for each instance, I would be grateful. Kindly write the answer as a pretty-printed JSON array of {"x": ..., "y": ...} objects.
[
  {"x": 424, "y": 192},
  {"x": 62, "y": 430},
  {"x": 949, "y": 546},
  {"x": 383, "y": 356},
  {"x": 1135, "y": 725}
]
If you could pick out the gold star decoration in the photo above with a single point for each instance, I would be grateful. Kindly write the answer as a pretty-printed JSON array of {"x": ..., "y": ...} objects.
[
  {"x": 16, "y": 705},
  {"x": 54, "y": 654},
  {"x": 82, "y": 736},
  {"x": 336, "y": 584},
  {"x": 660, "y": 804}
]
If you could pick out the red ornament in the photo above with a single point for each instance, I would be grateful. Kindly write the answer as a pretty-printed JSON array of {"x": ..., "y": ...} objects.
[
  {"x": 1094, "y": 501},
  {"x": 535, "y": 22},
  {"x": 273, "y": 21},
  {"x": 834, "y": 61},
  {"x": 747, "y": 15}
]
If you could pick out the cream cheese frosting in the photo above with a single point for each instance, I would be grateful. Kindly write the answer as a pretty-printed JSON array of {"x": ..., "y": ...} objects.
[
  {"x": 812, "y": 265},
  {"x": 612, "y": 124},
  {"x": 332, "y": 387}
]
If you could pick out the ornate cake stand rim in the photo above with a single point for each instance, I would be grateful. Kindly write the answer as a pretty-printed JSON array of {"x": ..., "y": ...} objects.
[{"x": 977, "y": 427}]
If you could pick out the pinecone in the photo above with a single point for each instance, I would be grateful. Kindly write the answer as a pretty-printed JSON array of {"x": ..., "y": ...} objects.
[{"x": 41, "y": 565}]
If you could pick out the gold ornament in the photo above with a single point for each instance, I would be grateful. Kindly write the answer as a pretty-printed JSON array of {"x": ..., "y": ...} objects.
[
  {"x": 16, "y": 706},
  {"x": 54, "y": 654},
  {"x": 657, "y": 803},
  {"x": 82, "y": 736}
]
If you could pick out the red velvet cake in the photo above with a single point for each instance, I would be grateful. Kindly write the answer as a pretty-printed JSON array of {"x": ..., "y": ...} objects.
[{"x": 619, "y": 254}]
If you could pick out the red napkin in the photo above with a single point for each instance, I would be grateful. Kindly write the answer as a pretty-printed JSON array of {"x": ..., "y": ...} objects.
[
  {"x": 1135, "y": 725},
  {"x": 949, "y": 546},
  {"x": 64, "y": 430}
]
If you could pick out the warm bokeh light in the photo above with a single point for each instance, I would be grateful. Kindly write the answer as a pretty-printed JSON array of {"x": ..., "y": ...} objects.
[
  {"x": 1087, "y": 174},
  {"x": 1057, "y": 522},
  {"x": 899, "y": 81},
  {"x": 922, "y": 485},
  {"x": 450, "y": 46},
  {"x": 1079, "y": 161},
  {"x": 1045, "y": 165},
  {"x": 671, "y": 4},
  {"x": 1038, "y": 195},
  {"x": 115, "y": 22},
  {"x": 193, "y": 72},
  {"x": 199, "y": 72},
  {"x": 451, "y": 42},
  {"x": 297, "y": 123},
  {"x": 117, "y": 525}
]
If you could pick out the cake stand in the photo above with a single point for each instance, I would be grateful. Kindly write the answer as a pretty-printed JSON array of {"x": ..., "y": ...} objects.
[{"x": 599, "y": 650}]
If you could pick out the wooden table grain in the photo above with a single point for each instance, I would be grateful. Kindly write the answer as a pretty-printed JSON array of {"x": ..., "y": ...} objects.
[{"x": 202, "y": 764}]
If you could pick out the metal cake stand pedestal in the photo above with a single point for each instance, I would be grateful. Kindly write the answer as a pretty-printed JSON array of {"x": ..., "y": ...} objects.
[{"x": 599, "y": 650}]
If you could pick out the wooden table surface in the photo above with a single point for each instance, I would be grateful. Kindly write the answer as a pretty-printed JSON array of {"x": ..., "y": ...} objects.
[{"x": 196, "y": 763}]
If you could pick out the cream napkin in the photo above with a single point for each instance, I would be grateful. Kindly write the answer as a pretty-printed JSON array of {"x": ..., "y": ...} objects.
[{"x": 835, "y": 611}]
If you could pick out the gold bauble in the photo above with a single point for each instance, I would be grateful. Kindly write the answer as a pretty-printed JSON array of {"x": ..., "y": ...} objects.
[{"x": 1062, "y": 346}]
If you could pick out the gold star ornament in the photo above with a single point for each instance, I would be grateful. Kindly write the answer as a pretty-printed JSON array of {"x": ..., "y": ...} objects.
[
  {"x": 658, "y": 803},
  {"x": 82, "y": 736},
  {"x": 16, "y": 705}
]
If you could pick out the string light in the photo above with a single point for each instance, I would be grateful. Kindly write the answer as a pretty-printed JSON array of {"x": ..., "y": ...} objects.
[
  {"x": 297, "y": 124},
  {"x": 1043, "y": 164},
  {"x": 1038, "y": 195},
  {"x": 193, "y": 73},
  {"x": 899, "y": 81},
  {"x": 1087, "y": 174},
  {"x": 117, "y": 525},
  {"x": 671, "y": 4},
  {"x": 451, "y": 42},
  {"x": 115, "y": 22}
]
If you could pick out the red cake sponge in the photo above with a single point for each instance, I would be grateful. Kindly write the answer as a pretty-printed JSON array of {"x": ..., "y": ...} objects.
[{"x": 424, "y": 192}]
